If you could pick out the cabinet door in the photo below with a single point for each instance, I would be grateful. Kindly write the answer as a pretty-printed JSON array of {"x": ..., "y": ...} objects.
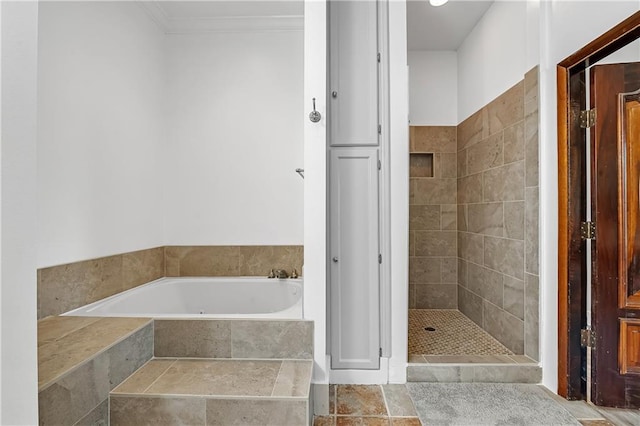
[
  {"x": 354, "y": 250},
  {"x": 353, "y": 80}
]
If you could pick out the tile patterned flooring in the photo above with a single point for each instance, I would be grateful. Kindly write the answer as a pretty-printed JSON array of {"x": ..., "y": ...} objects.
[
  {"x": 454, "y": 334},
  {"x": 391, "y": 405},
  {"x": 375, "y": 405},
  {"x": 590, "y": 415}
]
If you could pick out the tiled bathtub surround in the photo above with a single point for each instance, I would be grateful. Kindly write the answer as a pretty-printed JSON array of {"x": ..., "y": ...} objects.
[
  {"x": 214, "y": 392},
  {"x": 184, "y": 261},
  {"x": 81, "y": 359},
  {"x": 498, "y": 217},
  {"x": 432, "y": 219},
  {"x": 234, "y": 339},
  {"x": 65, "y": 287}
]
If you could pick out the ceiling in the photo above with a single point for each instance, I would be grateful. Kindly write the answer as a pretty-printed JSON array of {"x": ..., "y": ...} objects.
[
  {"x": 429, "y": 28},
  {"x": 444, "y": 27},
  {"x": 231, "y": 8}
]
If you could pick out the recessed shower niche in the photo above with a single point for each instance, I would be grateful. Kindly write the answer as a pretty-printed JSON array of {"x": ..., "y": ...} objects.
[{"x": 421, "y": 164}]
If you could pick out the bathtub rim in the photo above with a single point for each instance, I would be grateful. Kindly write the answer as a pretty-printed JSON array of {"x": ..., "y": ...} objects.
[{"x": 294, "y": 312}]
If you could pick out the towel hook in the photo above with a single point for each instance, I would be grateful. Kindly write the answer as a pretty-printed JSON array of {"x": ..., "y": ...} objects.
[{"x": 314, "y": 115}]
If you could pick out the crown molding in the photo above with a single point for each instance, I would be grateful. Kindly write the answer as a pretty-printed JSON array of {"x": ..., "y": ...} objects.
[{"x": 228, "y": 24}]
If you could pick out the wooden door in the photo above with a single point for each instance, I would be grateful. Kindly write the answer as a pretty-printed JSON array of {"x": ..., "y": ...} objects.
[
  {"x": 615, "y": 138},
  {"x": 354, "y": 251}
]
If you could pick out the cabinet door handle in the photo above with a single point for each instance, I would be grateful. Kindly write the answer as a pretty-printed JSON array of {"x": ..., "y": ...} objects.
[{"x": 335, "y": 259}]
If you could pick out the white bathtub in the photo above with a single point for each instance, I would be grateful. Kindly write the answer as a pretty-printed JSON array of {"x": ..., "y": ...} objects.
[{"x": 203, "y": 297}]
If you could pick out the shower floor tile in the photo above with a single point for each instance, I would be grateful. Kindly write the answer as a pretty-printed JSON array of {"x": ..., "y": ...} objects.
[{"x": 453, "y": 334}]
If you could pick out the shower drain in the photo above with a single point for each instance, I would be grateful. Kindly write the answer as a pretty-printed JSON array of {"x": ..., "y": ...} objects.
[{"x": 430, "y": 329}]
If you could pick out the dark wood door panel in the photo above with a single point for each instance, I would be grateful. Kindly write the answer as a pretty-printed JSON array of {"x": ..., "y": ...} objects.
[
  {"x": 615, "y": 142},
  {"x": 629, "y": 349},
  {"x": 629, "y": 199}
]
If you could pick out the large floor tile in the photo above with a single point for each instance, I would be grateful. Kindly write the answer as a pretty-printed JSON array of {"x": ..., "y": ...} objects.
[
  {"x": 398, "y": 401},
  {"x": 360, "y": 400},
  {"x": 486, "y": 404}
]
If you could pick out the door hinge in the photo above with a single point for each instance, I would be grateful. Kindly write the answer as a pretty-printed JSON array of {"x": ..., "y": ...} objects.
[
  {"x": 379, "y": 129},
  {"x": 379, "y": 165},
  {"x": 588, "y": 230},
  {"x": 587, "y": 118},
  {"x": 380, "y": 352},
  {"x": 378, "y": 57},
  {"x": 379, "y": 258},
  {"x": 587, "y": 338}
]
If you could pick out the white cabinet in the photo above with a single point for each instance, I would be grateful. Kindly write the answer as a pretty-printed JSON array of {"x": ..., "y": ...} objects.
[
  {"x": 354, "y": 188},
  {"x": 354, "y": 264},
  {"x": 353, "y": 85}
]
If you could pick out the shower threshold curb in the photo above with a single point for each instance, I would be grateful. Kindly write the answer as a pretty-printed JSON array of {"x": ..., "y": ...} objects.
[{"x": 474, "y": 373}]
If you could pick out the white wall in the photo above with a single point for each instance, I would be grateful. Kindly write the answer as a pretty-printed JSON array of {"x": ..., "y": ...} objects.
[
  {"x": 561, "y": 35},
  {"x": 235, "y": 138},
  {"x": 100, "y": 128},
  {"x": 399, "y": 166},
  {"x": 433, "y": 88},
  {"x": 493, "y": 57},
  {"x": 315, "y": 190},
  {"x": 18, "y": 357}
]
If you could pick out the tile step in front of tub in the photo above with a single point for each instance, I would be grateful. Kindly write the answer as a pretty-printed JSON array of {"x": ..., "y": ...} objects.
[
  {"x": 170, "y": 391},
  {"x": 474, "y": 372}
]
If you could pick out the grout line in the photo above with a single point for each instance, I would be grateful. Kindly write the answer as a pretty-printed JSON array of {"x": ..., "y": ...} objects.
[
  {"x": 275, "y": 382},
  {"x": 159, "y": 376},
  {"x": 72, "y": 369},
  {"x": 384, "y": 399},
  {"x": 205, "y": 410}
]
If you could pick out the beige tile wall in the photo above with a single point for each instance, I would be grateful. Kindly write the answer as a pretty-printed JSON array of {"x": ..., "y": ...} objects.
[
  {"x": 233, "y": 339},
  {"x": 65, "y": 287},
  {"x": 432, "y": 219},
  {"x": 497, "y": 214},
  {"x": 231, "y": 260}
]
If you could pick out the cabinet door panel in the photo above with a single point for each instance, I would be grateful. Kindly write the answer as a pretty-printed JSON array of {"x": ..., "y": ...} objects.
[
  {"x": 353, "y": 87},
  {"x": 355, "y": 297}
]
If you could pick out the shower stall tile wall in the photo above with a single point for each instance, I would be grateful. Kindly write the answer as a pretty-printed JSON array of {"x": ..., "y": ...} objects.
[
  {"x": 433, "y": 269},
  {"x": 498, "y": 217}
]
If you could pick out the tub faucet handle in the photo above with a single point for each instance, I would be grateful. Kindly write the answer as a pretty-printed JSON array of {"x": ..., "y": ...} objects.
[
  {"x": 271, "y": 274},
  {"x": 294, "y": 273},
  {"x": 281, "y": 273}
]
